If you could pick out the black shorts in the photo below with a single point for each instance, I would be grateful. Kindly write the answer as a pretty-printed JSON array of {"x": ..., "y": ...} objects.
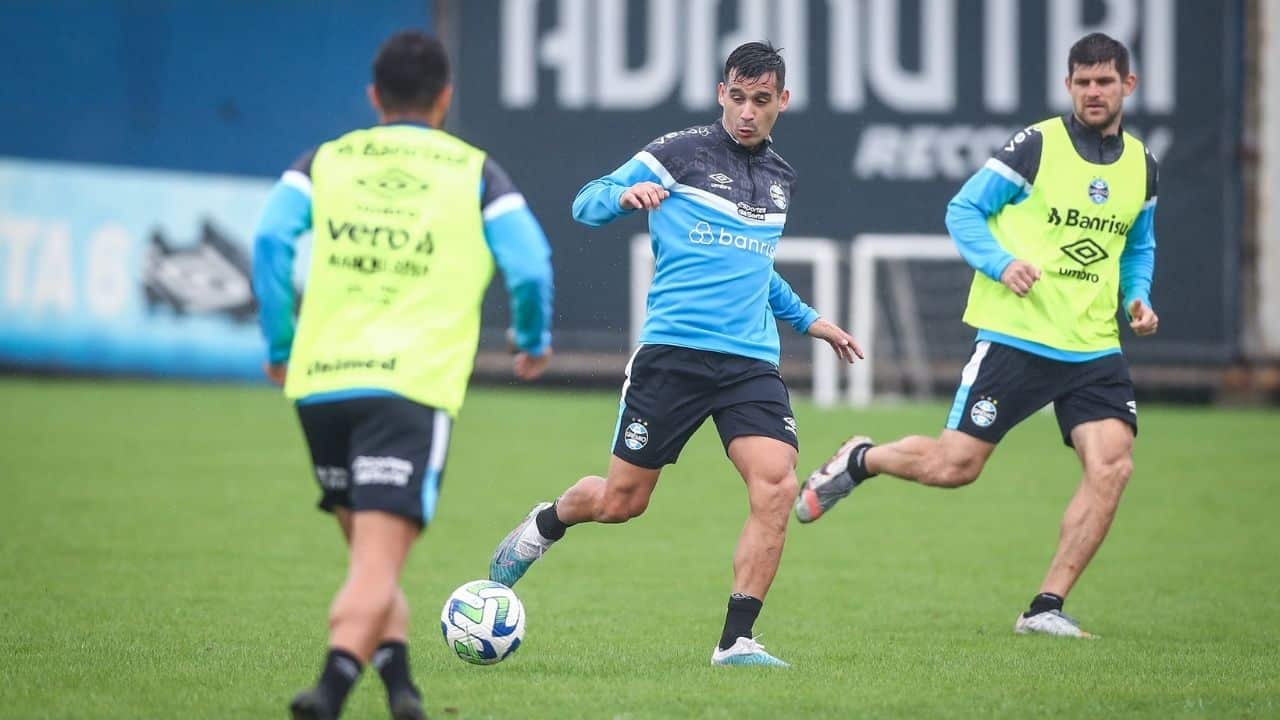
[
  {"x": 1001, "y": 386},
  {"x": 670, "y": 390},
  {"x": 377, "y": 453}
]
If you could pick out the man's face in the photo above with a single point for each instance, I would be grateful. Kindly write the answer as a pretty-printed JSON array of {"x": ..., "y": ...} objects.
[
  {"x": 1098, "y": 93},
  {"x": 751, "y": 106}
]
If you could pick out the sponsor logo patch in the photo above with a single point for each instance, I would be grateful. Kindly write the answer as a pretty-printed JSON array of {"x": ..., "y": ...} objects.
[
  {"x": 752, "y": 212},
  {"x": 703, "y": 233},
  {"x": 372, "y": 470},
  {"x": 1077, "y": 219},
  {"x": 332, "y": 477},
  {"x": 790, "y": 422}
]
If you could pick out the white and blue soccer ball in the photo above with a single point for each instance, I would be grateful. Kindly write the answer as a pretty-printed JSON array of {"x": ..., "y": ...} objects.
[{"x": 483, "y": 622}]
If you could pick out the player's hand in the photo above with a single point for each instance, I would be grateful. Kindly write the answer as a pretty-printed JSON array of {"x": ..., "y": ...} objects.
[
  {"x": 643, "y": 196},
  {"x": 528, "y": 368},
  {"x": 1019, "y": 276},
  {"x": 276, "y": 372},
  {"x": 839, "y": 340},
  {"x": 1144, "y": 320}
]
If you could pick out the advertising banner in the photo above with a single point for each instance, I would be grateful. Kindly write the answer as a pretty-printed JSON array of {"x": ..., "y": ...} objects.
[
  {"x": 894, "y": 104},
  {"x": 127, "y": 271}
]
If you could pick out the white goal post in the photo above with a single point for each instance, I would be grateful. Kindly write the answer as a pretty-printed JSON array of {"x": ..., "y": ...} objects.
[
  {"x": 822, "y": 255},
  {"x": 867, "y": 250}
]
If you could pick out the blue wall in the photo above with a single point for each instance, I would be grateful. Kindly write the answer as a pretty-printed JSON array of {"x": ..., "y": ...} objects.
[{"x": 228, "y": 87}]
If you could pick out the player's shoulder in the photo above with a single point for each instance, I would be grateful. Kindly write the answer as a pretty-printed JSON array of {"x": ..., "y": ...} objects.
[
  {"x": 1153, "y": 165},
  {"x": 678, "y": 142},
  {"x": 1019, "y": 157},
  {"x": 784, "y": 168},
  {"x": 302, "y": 163},
  {"x": 1026, "y": 141}
]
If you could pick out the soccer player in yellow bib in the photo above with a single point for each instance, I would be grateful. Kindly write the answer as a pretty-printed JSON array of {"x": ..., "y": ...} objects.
[
  {"x": 1057, "y": 226},
  {"x": 407, "y": 222}
]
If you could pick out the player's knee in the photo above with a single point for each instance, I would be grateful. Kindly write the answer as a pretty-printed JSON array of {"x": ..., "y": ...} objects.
[
  {"x": 368, "y": 606},
  {"x": 619, "y": 509},
  {"x": 1113, "y": 475},
  {"x": 954, "y": 475},
  {"x": 774, "y": 489}
]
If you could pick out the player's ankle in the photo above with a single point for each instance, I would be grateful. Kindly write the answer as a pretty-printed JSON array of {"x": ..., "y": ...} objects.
[
  {"x": 1044, "y": 602},
  {"x": 549, "y": 524},
  {"x": 858, "y": 469}
]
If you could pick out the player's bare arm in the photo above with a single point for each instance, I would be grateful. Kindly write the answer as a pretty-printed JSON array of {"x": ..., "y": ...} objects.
[
  {"x": 1144, "y": 320},
  {"x": 643, "y": 196},
  {"x": 1019, "y": 276},
  {"x": 840, "y": 341}
]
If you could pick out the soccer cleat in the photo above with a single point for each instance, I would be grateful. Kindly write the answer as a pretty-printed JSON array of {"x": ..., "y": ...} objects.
[
  {"x": 830, "y": 483},
  {"x": 311, "y": 704},
  {"x": 1050, "y": 622},
  {"x": 407, "y": 705},
  {"x": 519, "y": 549},
  {"x": 746, "y": 651}
]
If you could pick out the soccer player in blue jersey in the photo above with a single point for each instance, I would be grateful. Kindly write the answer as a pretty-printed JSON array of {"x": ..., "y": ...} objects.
[
  {"x": 1057, "y": 226},
  {"x": 407, "y": 223},
  {"x": 717, "y": 197}
]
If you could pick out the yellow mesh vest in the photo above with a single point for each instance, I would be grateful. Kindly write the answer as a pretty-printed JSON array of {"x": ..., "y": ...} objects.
[
  {"x": 399, "y": 266},
  {"x": 1072, "y": 226}
]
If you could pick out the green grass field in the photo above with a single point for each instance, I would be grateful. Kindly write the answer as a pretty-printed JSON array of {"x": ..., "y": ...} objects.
[{"x": 160, "y": 557}]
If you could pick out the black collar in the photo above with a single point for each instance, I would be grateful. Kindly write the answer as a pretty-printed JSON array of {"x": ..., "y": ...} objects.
[
  {"x": 1092, "y": 145},
  {"x": 717, "y": 129}
]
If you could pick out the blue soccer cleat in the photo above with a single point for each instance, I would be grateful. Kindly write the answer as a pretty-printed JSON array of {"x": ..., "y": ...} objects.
[
  {"x": 746, "y": 651},
  {"x": 519, "y": 549}
]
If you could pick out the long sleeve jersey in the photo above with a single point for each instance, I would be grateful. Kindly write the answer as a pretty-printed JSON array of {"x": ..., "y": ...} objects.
[{"x": 713, "y": 240}]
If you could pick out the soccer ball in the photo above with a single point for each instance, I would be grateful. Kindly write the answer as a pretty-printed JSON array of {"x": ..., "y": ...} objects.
[{"x": 483, "y": 622}]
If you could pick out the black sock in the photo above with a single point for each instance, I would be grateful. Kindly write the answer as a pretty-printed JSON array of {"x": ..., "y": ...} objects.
[
  {"x": 341, "y": 670},
  {"x": 392, "y": 661},
  {"x": 550, "y": 526},
  {"x": 743, "y": 611},
  {"x": 1044, "y": 602},
  {"x": 858, "y": 464}
]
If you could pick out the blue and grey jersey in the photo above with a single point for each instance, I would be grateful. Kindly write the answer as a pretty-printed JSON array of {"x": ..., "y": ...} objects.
[
  {"x": 1007, "y": 179},
  {"x": 713, "y": 240},
  {"x": 515, "y": 238}
]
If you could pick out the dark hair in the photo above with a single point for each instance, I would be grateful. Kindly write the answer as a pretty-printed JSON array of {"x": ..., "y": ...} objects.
[
  {"x": 409, "y": 71},
  {"x": 1098, "y": 49},
  {"x": 755, "y": 60}
]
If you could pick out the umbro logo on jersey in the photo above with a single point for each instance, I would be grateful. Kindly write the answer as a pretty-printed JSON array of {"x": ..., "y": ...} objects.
[
  {"x": 392, "y": 184},
  {"x": 720, "y": 181},
  {"x": 1085, "y": 251}
]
